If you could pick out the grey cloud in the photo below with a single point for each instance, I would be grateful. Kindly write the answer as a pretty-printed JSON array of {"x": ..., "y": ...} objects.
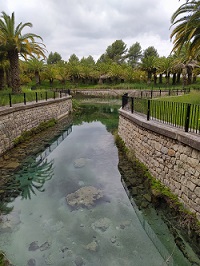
[{"x": 84, "y": 27}]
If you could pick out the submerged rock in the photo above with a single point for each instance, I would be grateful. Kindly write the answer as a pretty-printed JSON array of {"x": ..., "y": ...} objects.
[
  {"x": 85, "y": 196},
  {"x": 79, "y": 261},
  {"x": 33, "y": 246},
  {"x": 31, "y": 262},
  {"x": 78, "y": 163},
  {"x": 102, "y": 224},
  {"x": 45, "y": 246},
  {"x": 92, "y": 246}
]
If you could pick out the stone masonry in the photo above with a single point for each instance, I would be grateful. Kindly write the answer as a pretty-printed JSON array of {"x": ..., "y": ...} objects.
[
  {"x": 172, "y": 156},
  {"x": 19, "y": 118}
]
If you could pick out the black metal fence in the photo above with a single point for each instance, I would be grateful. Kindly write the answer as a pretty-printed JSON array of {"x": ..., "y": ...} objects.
[
  {"x": 181, "y": 115},
  {"x": 11, "y": 99}
]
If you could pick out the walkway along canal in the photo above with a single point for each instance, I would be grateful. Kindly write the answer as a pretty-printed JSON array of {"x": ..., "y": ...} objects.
[{"x": 68, "y": 202}]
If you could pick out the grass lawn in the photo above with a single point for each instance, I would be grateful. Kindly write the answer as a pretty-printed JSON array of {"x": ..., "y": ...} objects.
[{"x": 193, "y": 97}]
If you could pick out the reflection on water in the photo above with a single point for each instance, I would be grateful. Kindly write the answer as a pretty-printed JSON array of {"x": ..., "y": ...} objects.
[
  {"x": 82, "y": 214},
  {"x": 33, "y": 177}
]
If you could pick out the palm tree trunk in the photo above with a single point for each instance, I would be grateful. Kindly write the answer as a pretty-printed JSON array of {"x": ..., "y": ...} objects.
[
  {"x": 160, "y": 79},
  {"x": 37, "y": 77},
  {"x": 174, "y": 79},
  {"x": 2, "y": 81},
  {"x": 14, "y": 71}
]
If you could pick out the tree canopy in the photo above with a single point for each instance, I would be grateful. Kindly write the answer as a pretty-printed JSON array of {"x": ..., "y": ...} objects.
[{"x": 14, "y": 43}]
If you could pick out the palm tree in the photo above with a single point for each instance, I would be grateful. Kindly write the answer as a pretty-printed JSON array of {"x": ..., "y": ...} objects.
[
  {"x": 14, "y": 43},
  {"x": 3, "y": 64},
  {"x": 36, "y": 66},
  {"x": 187, "y": 27},
  {"x": 148, "y": 64}
]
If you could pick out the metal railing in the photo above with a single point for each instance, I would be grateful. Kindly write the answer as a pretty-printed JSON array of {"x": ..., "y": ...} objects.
[
  {"x": 11, "y": 99},
  {"x": 181, "y": 115}
]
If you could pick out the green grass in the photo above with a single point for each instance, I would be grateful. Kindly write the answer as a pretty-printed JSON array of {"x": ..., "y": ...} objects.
[
  {"x": 193, "y": 97},
  {"x": 173, "y": 110}
]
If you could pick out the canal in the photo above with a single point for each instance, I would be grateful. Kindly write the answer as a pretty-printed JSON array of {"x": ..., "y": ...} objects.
[{"x": 71, "y": 206}]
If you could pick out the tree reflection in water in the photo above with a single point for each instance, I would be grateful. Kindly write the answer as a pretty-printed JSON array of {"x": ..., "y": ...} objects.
[{"x": 33, "y": 177}]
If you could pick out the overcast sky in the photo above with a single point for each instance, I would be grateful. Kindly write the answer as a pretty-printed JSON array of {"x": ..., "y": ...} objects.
[{"x": 88, "y": 27}]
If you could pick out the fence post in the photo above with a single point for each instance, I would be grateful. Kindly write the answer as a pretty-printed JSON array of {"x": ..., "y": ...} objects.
[
  {"x": 160, "y": 93},
  {"x": 54, "y": 95},
  {"x": 132, "y": 104},
  {"x": 148, "y": 110},
  {"x": 169, "y": 92},
  {"x": 36, "y": 97},
  {"x": 10, "y": 99},
  {"x": 24, "y": 98},
  {"x": 151, "y": 94},
  {"x": 141, "y": 93},
  {"x": 60, "y": 94},
  {"x": 187, "y": 119},
  {"x": 124, "y": 100},
  {"x": 46, "y": 95}
]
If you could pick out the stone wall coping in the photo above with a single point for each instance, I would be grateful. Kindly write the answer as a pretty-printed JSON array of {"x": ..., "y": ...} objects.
[
  {"x": 162, "y": 129},
  {"x": 18, "y": 107}
]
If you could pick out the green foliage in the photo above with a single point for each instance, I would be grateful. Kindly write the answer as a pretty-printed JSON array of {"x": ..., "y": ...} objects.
[
  {"x": 150, "y": 51},
  {"x": 3, "y": 260},
  {"x": 134, "y": 54},
  {"x": 29, "y": 133},
  {"x": 54, "y": 58},
  {"x": 116, "y": 51}
]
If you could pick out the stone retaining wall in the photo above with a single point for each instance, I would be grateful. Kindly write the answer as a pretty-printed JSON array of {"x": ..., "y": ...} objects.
[
  {"x": 172, "y": 156},
  {"x": 19, "y": 118}
]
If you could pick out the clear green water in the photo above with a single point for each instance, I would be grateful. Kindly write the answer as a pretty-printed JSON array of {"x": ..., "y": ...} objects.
[{"x": 43, "y": 229}]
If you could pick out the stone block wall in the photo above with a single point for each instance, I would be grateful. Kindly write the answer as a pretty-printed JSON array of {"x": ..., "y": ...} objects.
[
  {"x": 172, "y": 156},
  {"x": 15, "y": 120}
]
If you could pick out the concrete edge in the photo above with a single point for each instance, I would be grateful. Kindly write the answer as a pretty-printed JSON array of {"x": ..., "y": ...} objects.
[{"x": 188, "y": 139}]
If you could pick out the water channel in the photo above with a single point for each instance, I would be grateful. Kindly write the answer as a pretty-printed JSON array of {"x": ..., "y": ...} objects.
[{"x": 73, "y": 207}]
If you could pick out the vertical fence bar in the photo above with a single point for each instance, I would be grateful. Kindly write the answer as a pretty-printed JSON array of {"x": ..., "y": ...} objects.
[
  {"x": 46, "y": 95},
  {"x": 141, "y": 93},
  {"x": 151, "y": 94},
  {"x": 60, "y": 94},
  {"x": 54, "y": 95},
  {"x": 132, "y": 104},
  {"x": 148, "y": 110},
  {"x": 24, "y": 98},
  {"x": 10, "y": 99},
  {"x": 36, "y": 97},
  {"x": 160, "y": 93},
  {"x": 187, "y": 118}
]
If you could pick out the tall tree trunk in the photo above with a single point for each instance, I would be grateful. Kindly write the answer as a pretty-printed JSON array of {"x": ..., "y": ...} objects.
[
  {"x": 178, "y": 78},
  {"x": 149, "y": 75},
  {"x": 160, "y": 79},
  {"x": 167, "y": 78},
  {"x": 37, "y": 77},
  {"x": 184, "y": 74},
  {"x": 2, "y": 81},
  {"x": 8, "y": 78},
  {"x": 14, "y": 71},
  {"x": 189, "y": 74},
  {"x": 174, "y": 79}
]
